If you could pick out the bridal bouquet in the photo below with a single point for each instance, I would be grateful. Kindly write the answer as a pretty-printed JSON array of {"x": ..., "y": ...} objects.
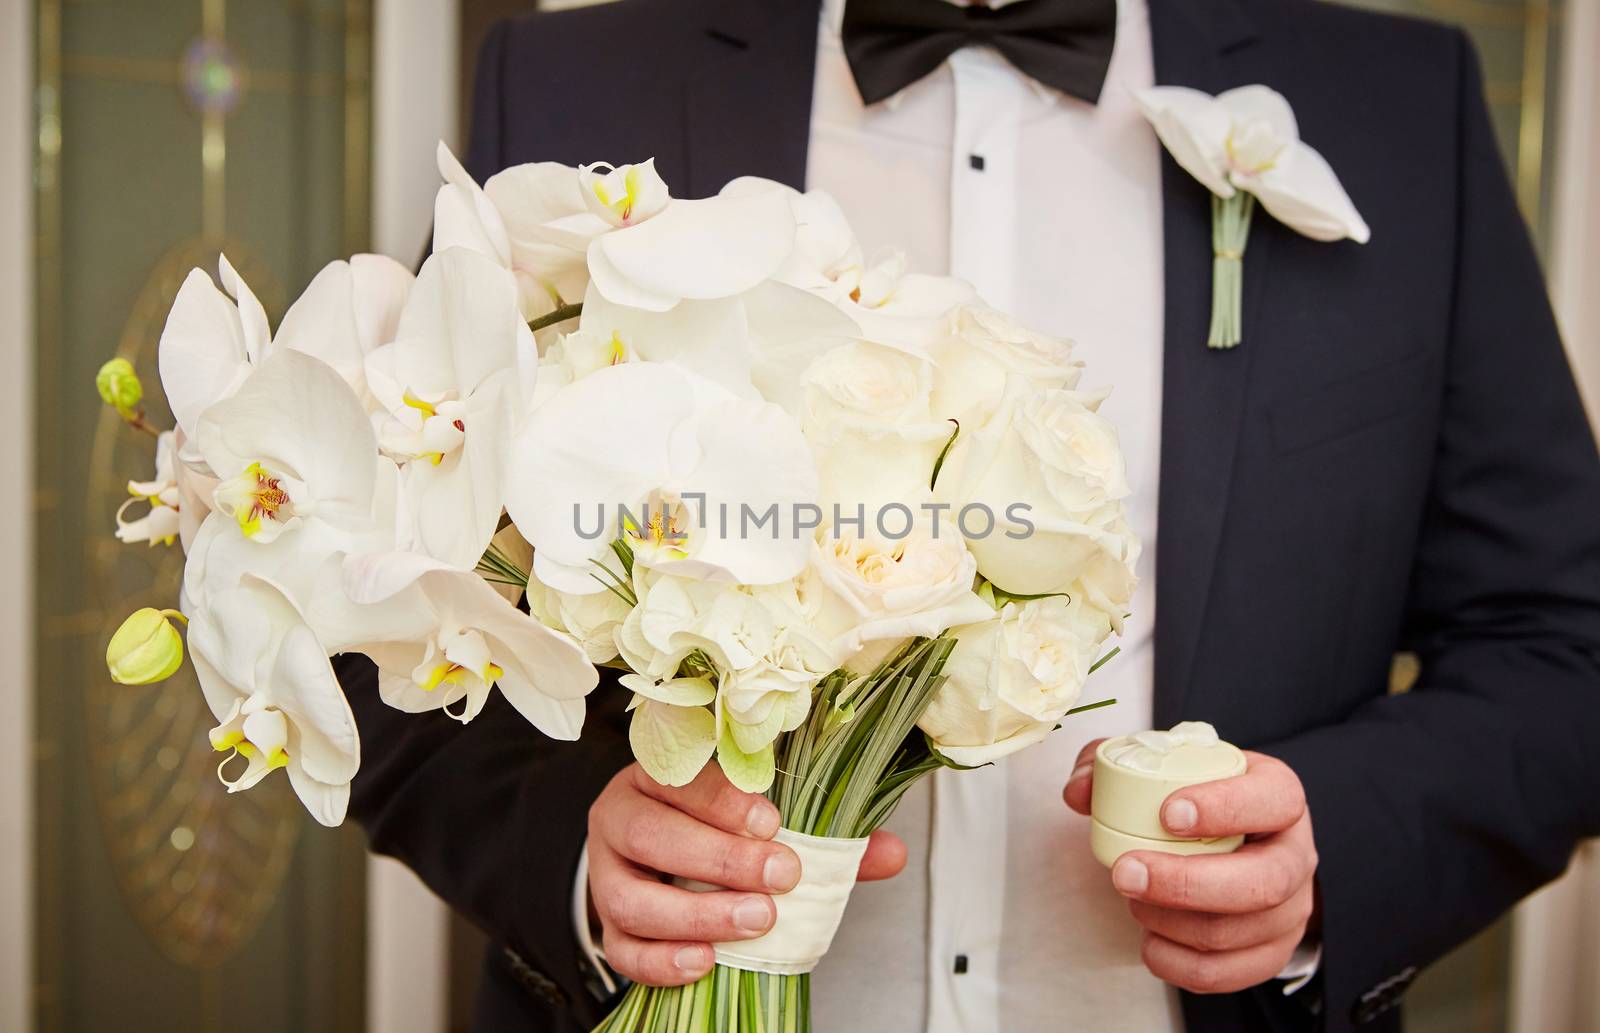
[{"x": 838, "y": 523}]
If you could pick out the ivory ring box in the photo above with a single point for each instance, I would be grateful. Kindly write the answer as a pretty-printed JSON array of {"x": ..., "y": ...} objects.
[{"x": 1134, "y": 774}]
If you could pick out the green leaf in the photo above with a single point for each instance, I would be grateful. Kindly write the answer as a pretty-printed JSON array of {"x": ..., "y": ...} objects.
[
  {"x": 1089, "y": 706},
  {"x": 938, "y": 464},
  {"x": 1105, "y": 659}
]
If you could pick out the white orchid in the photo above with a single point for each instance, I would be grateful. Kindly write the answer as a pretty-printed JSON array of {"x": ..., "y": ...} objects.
[
  {"x": 211, "y": 341},
  {"x": 1244, "y": 145},
  {"x": 695, "y": 478},
  {"x": 161, "y": 522},
  {"x": 623, "y": 195},
  {"x": 712, "y": 248},
  {"x": 442, "y": 636},
  {"x": 531, "y": 220},
  {"x": 449, "y": 386},
  {"x": 277, "y": 701},
  {"x": 349, "y": 310},
  {"x": 300, "y": 482},
  {"x": 1247, "y": 139}
]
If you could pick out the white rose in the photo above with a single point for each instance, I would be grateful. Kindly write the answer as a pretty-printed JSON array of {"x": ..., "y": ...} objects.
[
  {"x": 866, "y": 416},
  {"x": 869, "y": 594},
  {"x": 1010, "y": 680},
  {"x": 984, "y": 348},
  {"x": 1047, "y": 469}
]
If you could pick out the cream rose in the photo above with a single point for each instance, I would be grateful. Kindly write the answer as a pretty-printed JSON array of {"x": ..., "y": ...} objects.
[
  {"x": 866, "y": 416},
  {"x": 1010, "y": 679},
  {"x": 984, "y": 348},
  {"x": 1049, "y": 472},
  {"x": 870, "y": 594}
]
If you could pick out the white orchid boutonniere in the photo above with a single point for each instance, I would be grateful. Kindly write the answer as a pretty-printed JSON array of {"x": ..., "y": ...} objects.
[{"x": 1244, "y": 146}]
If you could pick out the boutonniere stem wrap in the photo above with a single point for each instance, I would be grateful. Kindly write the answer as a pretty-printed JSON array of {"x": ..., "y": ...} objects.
[{"x": 1244, "y": 146}]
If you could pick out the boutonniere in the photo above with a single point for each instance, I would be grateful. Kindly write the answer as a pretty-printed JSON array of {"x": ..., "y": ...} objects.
[{"x": 1244, "y": 146}]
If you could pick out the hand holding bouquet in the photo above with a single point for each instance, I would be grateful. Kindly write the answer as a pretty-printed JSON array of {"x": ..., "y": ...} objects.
[{"x": 838, "y": 523}]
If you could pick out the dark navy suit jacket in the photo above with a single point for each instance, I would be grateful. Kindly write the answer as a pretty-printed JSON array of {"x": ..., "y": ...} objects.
[{"x": 1395, "y": 458}]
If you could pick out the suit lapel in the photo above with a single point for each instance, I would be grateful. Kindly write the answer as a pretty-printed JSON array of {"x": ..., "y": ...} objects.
[
  {"x": 1209, "y": 45},
  {"x": 749, "y": 112}
]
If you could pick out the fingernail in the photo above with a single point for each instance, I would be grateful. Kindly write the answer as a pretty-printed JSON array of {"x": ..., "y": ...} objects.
[
  {"x": 1081, "y": 771},
  {"x": 762, "y": 822},
  {"x": 1130, "y": 877},
  {"x": 1180, "y": 816},
  {"x": 752, "y": 915},
  {"x": 690, "y": 959},
  {"x": 781, "y": 872}
]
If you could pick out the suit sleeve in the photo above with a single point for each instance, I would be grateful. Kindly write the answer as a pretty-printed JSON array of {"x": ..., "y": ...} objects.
[
  {"x": 491, "y": 815},
  {"x": 1437, "y": 809}
]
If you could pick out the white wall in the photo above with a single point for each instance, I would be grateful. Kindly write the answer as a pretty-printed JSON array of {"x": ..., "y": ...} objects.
[
  {"x": 1556, "y": 937},
  {"x": 16, "y": 511},
  {"x": 413, "y": 108}
]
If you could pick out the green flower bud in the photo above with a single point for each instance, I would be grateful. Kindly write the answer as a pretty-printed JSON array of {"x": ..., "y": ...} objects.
[
  {"x": 119, "y": 386},
  {"x": 146, "y": 649}
]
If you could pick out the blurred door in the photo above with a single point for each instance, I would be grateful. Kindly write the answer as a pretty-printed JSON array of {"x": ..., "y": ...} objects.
[{"x": 168, "y": 132}]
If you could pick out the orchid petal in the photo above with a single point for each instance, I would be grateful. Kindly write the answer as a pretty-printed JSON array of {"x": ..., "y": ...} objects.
[
  {"x": 463, "y": 215},
  {"x": 1302, "y": 192},
  {"x": 298, "y": 414},
  {"x": 202, "y": 354},
  {"x": 1256, "y": 102},
  {"x": 1194, "y": 128},
  {"x": 252, "y": 317},
  {"x": 712, "y": 248}
]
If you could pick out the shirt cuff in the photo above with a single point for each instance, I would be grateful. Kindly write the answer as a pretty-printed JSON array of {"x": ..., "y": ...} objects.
[
  {"x": 584, "y": 931},
  {"x": 1302, "y": 966}
]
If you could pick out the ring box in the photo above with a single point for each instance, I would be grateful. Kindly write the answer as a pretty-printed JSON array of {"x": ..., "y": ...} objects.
[{"x": 1134, "y": 774}]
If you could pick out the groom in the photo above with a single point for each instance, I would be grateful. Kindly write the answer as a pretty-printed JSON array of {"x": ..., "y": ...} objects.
[{"x": 1395, "y": 458}]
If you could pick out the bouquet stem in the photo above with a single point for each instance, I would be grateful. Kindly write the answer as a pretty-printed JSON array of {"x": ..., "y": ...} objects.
[
  {"x": 1230, "y": 231},
  {"x": 840, "y": 775}
]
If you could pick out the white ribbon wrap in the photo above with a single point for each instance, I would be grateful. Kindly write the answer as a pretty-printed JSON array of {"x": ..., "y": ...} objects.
[{"x": 808, "y": 915}]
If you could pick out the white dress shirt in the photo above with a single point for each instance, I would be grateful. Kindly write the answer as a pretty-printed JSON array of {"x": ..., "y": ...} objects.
[{"x": 1051, "y": 207}]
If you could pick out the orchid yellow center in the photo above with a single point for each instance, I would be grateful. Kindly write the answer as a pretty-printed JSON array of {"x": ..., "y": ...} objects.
[
  {"x": 1253, "y": 147},
  {"x": 623, "y": 205},
  {"x": 447, "y": 673},
  {"x": 255, "y": 499},
  {"x": 663, "y": 531},
  {"x": 442, "y": 428},
  {"x": 259, "y": 733}
]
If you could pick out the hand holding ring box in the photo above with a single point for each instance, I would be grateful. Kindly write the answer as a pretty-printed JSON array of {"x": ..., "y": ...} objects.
[{"x": 1134, "y": 774}]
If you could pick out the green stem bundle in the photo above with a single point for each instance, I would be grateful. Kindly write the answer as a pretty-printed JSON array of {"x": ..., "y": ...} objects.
[
  {"x": 840, "y": 774},
  {"x": 1230, "y": 231}
]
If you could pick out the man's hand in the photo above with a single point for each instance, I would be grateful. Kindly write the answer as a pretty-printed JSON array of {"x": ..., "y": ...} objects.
[
  {"x": 642, "y": 833},
  {"x": 1216, "y": 923}
]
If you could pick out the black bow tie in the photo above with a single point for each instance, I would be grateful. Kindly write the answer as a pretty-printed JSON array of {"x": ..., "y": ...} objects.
[{"x": 1061, "y": 43}]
